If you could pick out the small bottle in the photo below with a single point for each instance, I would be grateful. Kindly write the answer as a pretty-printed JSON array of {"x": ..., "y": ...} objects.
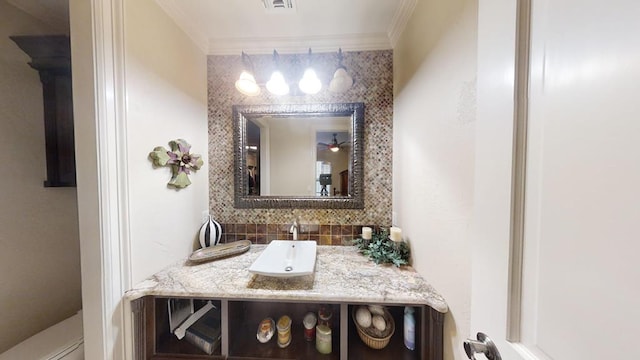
[
  {"x": 324, "y": 316},
  {"x": 309, "y": 323},
  {"x": 409, "y": 328},
  {"x": 323, "y": 339}
]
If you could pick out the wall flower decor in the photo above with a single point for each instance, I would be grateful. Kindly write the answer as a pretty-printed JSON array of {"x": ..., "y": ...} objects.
[{"x": 181, "y": 161}]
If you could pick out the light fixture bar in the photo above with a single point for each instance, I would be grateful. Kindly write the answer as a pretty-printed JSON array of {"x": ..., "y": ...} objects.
[{"x": 309, "y": 84}]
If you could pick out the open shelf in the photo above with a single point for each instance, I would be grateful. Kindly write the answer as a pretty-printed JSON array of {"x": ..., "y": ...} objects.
[
  {"x": 395, "y": 349},
  {"x": 244, "y": 317},
  {"x": 167, "y": 345},
  {"x": 239, "y": 321}
]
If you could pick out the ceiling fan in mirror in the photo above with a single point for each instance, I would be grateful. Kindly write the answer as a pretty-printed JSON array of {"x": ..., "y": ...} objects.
[{"x": 333, "y": 146}]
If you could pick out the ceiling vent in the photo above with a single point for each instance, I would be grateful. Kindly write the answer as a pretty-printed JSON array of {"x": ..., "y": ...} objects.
[{"x": 279, "y": 5}]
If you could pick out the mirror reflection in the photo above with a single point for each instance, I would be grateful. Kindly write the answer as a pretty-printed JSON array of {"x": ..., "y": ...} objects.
[{"x": 299, "y": 155}]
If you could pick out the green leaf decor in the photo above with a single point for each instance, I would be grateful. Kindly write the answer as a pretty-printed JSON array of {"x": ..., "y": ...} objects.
[{"x": 382, "y": 250}]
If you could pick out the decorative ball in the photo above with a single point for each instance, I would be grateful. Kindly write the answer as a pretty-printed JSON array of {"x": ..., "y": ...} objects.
[
  {"x": 379, "y": 322},
  {"x": 376, "y": 310},
  {"x": 363, "y": 317}
]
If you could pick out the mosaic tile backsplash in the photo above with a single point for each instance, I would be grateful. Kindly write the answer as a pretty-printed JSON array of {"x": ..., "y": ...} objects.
[
  {"x": 373, "y": 75},
  {"x": 264, "y": 233}
]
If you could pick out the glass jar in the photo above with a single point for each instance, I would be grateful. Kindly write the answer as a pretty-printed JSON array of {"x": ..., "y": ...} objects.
[
  {"x": 324, "y": 316},
  {"x": 309, "y": 323},
  {"x": 323, "y": 339},
  {"x": 284, "y": 331},
  {"x": 265, "y": 330}
]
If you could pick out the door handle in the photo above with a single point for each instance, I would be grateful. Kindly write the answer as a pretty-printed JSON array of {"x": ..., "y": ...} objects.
[{"x": 484, "y": 345}]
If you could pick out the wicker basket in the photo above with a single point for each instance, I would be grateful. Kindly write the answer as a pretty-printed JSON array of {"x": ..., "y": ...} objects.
[{"x": 366, "y": 333}]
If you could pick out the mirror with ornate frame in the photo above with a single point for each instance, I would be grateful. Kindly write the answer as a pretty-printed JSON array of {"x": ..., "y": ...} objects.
[{"x": 299, "y": 156}]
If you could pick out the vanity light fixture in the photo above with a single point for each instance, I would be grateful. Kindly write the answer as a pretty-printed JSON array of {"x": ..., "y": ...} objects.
[
  {"x": 277, "y": 85},
  {"x": 246, "y": 84},
  {"x": 341, "y": 81},
  {"x": 310, "y": 84}
]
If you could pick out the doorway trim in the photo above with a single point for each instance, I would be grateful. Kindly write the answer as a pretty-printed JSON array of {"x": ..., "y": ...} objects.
[{"x": 97, "y": 33}]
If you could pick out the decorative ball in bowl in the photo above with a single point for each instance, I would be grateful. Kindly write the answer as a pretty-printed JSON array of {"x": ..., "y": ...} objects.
[{"x": 375, "y": 325}]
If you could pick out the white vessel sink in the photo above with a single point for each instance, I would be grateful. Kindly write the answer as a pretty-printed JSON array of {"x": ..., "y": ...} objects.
[{"x": 286, "y": 258}]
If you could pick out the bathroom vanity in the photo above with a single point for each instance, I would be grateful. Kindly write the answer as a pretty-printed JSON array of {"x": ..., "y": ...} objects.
[{"x": 343, "y": 279}]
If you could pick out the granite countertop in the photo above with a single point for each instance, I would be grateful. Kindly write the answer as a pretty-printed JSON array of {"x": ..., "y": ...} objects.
[{"x": 341, "y": 275}]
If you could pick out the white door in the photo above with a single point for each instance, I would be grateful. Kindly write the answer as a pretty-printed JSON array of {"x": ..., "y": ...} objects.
[{"x": 577, "y": 295}]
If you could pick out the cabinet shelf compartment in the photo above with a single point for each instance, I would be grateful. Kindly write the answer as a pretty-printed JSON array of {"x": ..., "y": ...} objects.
[
  {"x": 395, "y": 349},
  {"x": 244, "y": 317},
  {"x": 166, "y": 345}
]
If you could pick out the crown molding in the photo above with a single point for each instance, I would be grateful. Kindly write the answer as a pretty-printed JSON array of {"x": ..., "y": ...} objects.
[
  {"x": 174, "y": 12},
  {"x": 400, "y": 20},
  {"x": 291, "y": 45}
]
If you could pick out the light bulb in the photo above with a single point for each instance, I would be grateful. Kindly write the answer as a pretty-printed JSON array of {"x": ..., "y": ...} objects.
[
  {"x": 341, "y": 81},
  {"x": 247, "y": 85},
  {"x": 310, "y": 84},
  {"x": 334, "y": 148},
  {"x": 276, "y": 85}
]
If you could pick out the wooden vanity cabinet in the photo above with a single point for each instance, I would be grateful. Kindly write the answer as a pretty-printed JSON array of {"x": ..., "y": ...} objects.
[{"x": 240, "y": 319}]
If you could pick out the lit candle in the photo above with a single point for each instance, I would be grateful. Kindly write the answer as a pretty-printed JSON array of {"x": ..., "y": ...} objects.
[
  {"x": 395, "y": 234},
  {"x": 366, "y": 233}
]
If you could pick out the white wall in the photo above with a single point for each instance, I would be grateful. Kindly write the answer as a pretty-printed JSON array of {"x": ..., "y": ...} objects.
[
  {"x": 166, "y": 100},
  {"x": 433, "y": 152},
  {"x": 292, "y": 166},
  {"x": 40, "y": 256}
]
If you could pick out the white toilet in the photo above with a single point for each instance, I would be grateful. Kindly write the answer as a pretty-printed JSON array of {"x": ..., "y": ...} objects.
[{"x": 62, "y": 341}]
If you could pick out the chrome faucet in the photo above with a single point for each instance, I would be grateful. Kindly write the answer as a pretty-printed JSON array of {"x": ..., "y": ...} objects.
[{"x": 294, "y": 229}]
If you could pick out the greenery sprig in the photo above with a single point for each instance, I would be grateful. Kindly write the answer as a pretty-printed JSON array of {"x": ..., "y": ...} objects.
[{"x": 382, "y": 250}]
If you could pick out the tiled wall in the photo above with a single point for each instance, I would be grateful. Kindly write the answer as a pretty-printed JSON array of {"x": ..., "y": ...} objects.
[
  {"x": 373, "y": 75},
  {"x": 264, "y": 233}
]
